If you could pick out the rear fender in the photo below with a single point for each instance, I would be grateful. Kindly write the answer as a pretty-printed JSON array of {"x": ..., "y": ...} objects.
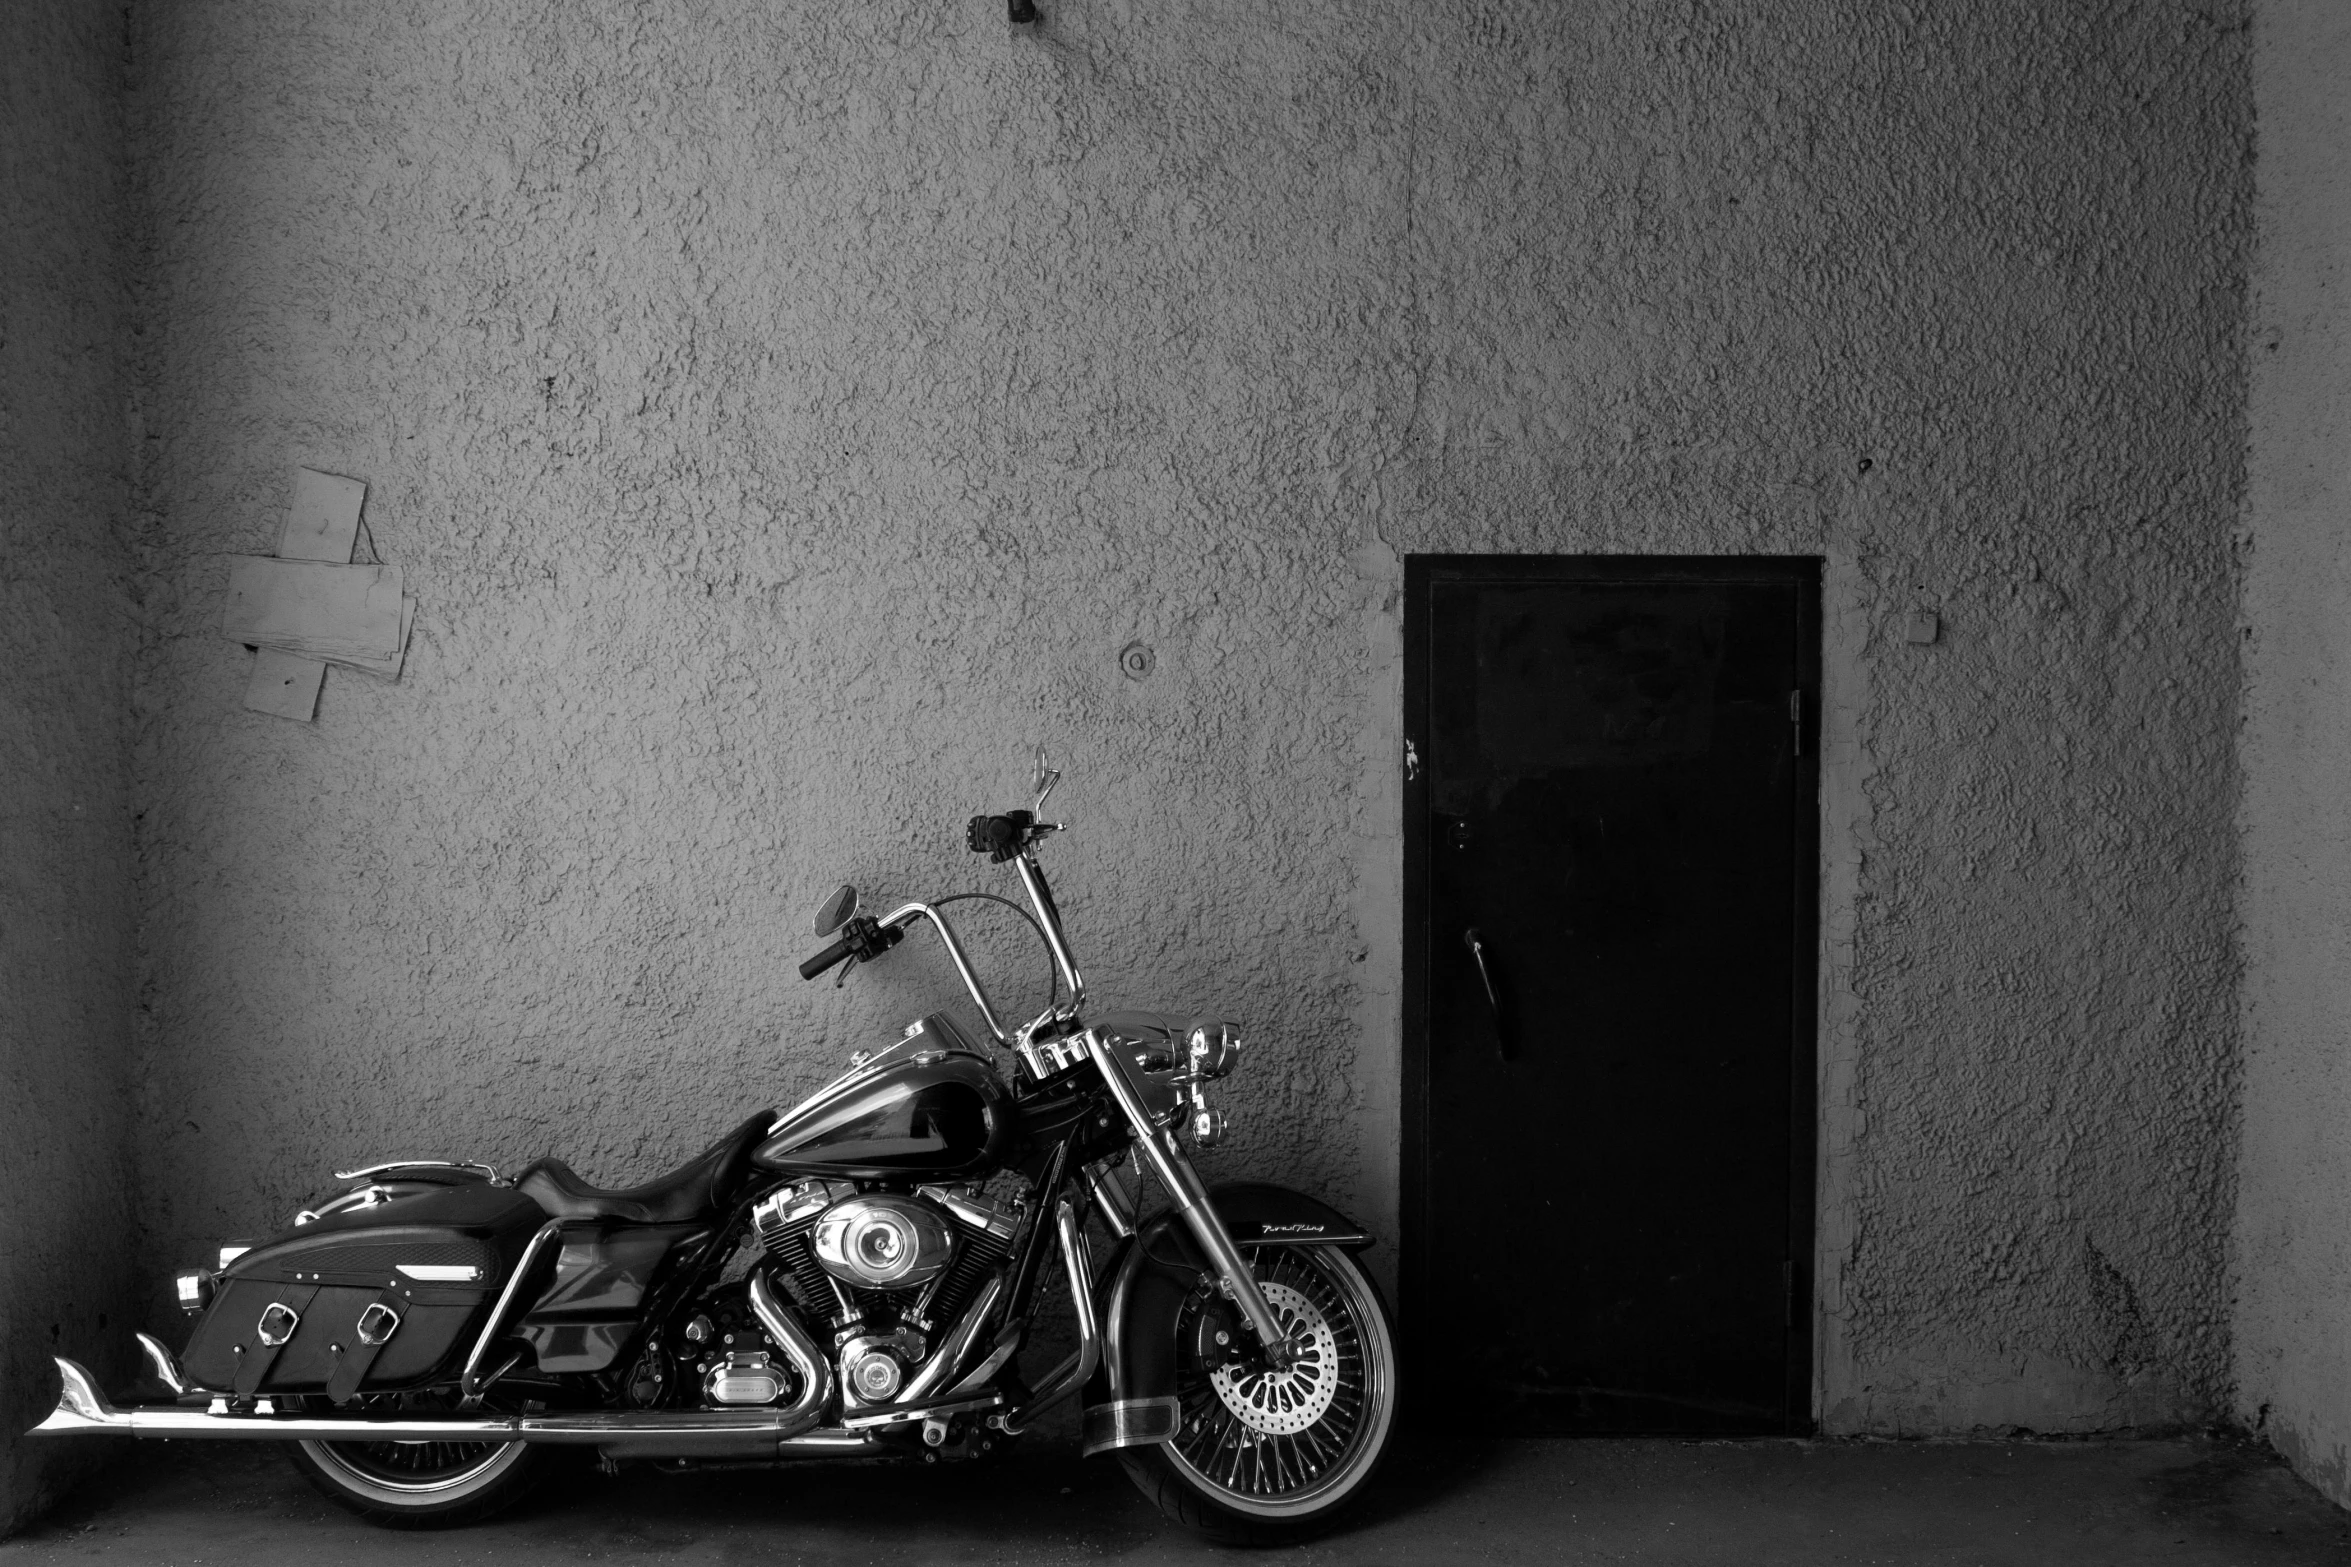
[{"x": 1132, "y": 1397}]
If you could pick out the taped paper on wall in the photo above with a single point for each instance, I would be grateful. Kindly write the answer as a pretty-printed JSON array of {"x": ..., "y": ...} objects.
[
  {"x": 387, "y": 668},
  {"x": 323, "y": 522},
  {"x": 285, "y": 684},
  {"x": 339, "y": 612}
]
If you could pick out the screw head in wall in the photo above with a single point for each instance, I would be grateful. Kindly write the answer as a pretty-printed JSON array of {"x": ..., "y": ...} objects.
[{"x": 1136, "y": 661}]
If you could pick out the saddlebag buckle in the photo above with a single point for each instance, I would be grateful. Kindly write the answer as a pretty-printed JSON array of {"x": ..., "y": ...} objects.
[
  {"x": 277, "y": 1324},
  {"x": 377, "y": 1324}
]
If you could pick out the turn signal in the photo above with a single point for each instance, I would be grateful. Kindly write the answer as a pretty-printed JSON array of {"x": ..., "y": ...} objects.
[{"x": 1208, "y": 1127}]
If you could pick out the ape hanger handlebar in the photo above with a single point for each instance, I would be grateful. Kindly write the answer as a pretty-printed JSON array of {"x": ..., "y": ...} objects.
[{"x": 1013, "y": 836}]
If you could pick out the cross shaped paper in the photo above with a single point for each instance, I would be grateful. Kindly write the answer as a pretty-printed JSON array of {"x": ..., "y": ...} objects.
[{"x": 309, "y": 606}]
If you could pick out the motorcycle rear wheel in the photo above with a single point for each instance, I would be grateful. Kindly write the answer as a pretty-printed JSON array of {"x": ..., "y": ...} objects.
[
  {"x": 1272, "y": 1458},
  {"x": 421, "y": 1485}
]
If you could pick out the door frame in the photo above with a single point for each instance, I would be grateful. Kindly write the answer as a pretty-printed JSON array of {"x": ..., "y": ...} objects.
[{"x": 1425, "y": 1320}]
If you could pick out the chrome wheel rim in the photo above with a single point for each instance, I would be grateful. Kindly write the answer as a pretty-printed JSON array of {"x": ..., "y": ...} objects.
[
  {"x": 1245, "y": 1437},
  {"x": 416, "y": 1471}
]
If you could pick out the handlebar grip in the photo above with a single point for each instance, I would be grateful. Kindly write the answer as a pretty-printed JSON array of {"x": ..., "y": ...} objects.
[
  {"x": 825, "y": 959},
  {"x": 999, "y": 837}
]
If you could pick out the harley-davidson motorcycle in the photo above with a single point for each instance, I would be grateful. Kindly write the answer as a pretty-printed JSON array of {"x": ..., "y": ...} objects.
[{"x": 854, "y": 1278}]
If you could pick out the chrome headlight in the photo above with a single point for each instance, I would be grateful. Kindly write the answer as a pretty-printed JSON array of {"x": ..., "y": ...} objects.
[{"x": 1212, "y": 1050}]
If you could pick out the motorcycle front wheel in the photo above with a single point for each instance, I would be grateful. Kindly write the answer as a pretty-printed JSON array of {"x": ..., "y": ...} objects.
[{"x": 1269, "y": 1457}]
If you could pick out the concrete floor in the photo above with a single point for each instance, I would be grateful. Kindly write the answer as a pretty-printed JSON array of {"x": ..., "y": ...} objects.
[{"x": 1753, "y": 1504}]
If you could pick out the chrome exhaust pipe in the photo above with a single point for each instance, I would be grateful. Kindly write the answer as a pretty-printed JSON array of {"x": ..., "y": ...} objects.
[
  {"x": 814, "y": 1366},
  {"x": 781, "y": 1431},
  {"x": 949, "y": 1357},
  {"x": 82, "y": 1410},
  {"x": 166, "y": 1369},
  {"x": 1071, "y": 1374}
]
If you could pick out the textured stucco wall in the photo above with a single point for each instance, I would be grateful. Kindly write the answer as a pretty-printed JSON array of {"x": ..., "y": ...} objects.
[
  {"x": 2293, "y": 1330},
  {"x": 786, "y": 412},
  {"x": 66, "y": 635}
]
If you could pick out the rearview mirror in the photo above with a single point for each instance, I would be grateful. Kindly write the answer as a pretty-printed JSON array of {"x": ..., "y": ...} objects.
[
  {"x": 836, "y": 911},
  {"x": 1047, "y": 777}
]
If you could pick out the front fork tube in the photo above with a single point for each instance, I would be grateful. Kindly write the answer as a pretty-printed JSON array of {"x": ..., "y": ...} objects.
[{"x": 1190, "y": 1200}]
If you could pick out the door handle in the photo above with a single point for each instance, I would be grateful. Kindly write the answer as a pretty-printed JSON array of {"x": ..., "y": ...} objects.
[{"x": 1477, "y": 949}]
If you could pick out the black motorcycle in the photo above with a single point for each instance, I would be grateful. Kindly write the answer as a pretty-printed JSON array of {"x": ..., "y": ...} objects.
[{"x": 857, "y": 1277}]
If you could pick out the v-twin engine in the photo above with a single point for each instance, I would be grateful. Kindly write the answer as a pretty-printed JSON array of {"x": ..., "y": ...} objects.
[{"x": 886, "y": 1271}]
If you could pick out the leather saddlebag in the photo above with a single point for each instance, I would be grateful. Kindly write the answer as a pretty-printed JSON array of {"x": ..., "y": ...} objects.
[{"x": 369, "y": 1299}]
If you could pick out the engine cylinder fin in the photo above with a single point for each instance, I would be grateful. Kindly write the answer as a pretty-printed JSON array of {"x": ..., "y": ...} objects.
[
  {"x": 805, "y": 1277},
  {"x": 978, "y": 1256},
  {"x": 815, "y": 1285}
]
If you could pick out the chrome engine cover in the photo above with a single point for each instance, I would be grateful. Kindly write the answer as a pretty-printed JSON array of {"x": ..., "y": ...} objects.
[
  {"x": 873, "y": 1367},
  {"x": 884, "y": 1242},
  {"x": 744, "y": 1378}
]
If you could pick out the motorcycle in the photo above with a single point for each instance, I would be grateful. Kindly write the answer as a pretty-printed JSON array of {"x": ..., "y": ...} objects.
[{"x": 857, "y": 1277}]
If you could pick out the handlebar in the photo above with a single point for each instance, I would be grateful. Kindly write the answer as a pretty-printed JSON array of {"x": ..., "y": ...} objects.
[
  {"x": 997, "y": 837},
  {"x": 825, "y": 959},
  {"x": 862, "y": 938},
  {"x": 867, "y": 939},
  {"x": 1001, "y": 838},
  {"x": 1010, "y": 837}
]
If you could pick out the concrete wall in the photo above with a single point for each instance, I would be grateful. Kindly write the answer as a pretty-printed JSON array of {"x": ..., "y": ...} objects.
[
  {"x": 787, "y": 413},
  {"x": 2293, "y": 1331},
  {"x": 66, "y": 631}
]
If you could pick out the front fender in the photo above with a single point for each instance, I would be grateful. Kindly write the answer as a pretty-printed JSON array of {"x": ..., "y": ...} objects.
[{"x": 1131, "y": 1399}]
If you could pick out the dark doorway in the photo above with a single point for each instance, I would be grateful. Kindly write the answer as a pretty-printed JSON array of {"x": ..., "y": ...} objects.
[{"x": 1609, "y": 828}]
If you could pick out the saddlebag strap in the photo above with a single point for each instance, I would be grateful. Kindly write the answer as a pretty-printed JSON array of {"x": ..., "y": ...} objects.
[
  {"x": 372, "y": 1332},
  {"x": 279, "y": 1321}
]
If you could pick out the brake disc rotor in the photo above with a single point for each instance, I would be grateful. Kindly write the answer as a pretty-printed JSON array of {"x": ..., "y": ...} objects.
[{"x": 1283, "y": 1403}]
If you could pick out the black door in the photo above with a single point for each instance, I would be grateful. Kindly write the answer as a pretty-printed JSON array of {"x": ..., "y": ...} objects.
[{"x": 1609, "y": 950}]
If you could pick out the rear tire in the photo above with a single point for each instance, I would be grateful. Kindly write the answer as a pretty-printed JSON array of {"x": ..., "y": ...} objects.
[
  {"x": 421, "y": 1485},
  {"x": 1270, "y": 1459}
]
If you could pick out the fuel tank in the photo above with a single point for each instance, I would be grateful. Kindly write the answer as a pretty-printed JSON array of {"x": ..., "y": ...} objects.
[{"x": 929, "y": 1106}]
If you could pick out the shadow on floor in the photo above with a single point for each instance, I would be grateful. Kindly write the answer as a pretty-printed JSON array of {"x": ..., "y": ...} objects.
[{"x": 1754, "y": 1503}]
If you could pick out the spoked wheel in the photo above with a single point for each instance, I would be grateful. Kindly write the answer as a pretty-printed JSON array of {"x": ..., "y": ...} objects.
[
  {"x": 1267, "y": 1456},
  {"x": 421, "y": 1485}
]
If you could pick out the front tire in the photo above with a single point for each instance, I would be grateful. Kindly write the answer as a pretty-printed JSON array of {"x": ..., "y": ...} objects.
[
  {"x": 421, "y": 1485},
  {"x": 1266, "y": 1458}
]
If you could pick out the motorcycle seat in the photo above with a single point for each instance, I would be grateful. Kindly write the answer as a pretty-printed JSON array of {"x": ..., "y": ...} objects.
[{"x": 685, "y": 1194}]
